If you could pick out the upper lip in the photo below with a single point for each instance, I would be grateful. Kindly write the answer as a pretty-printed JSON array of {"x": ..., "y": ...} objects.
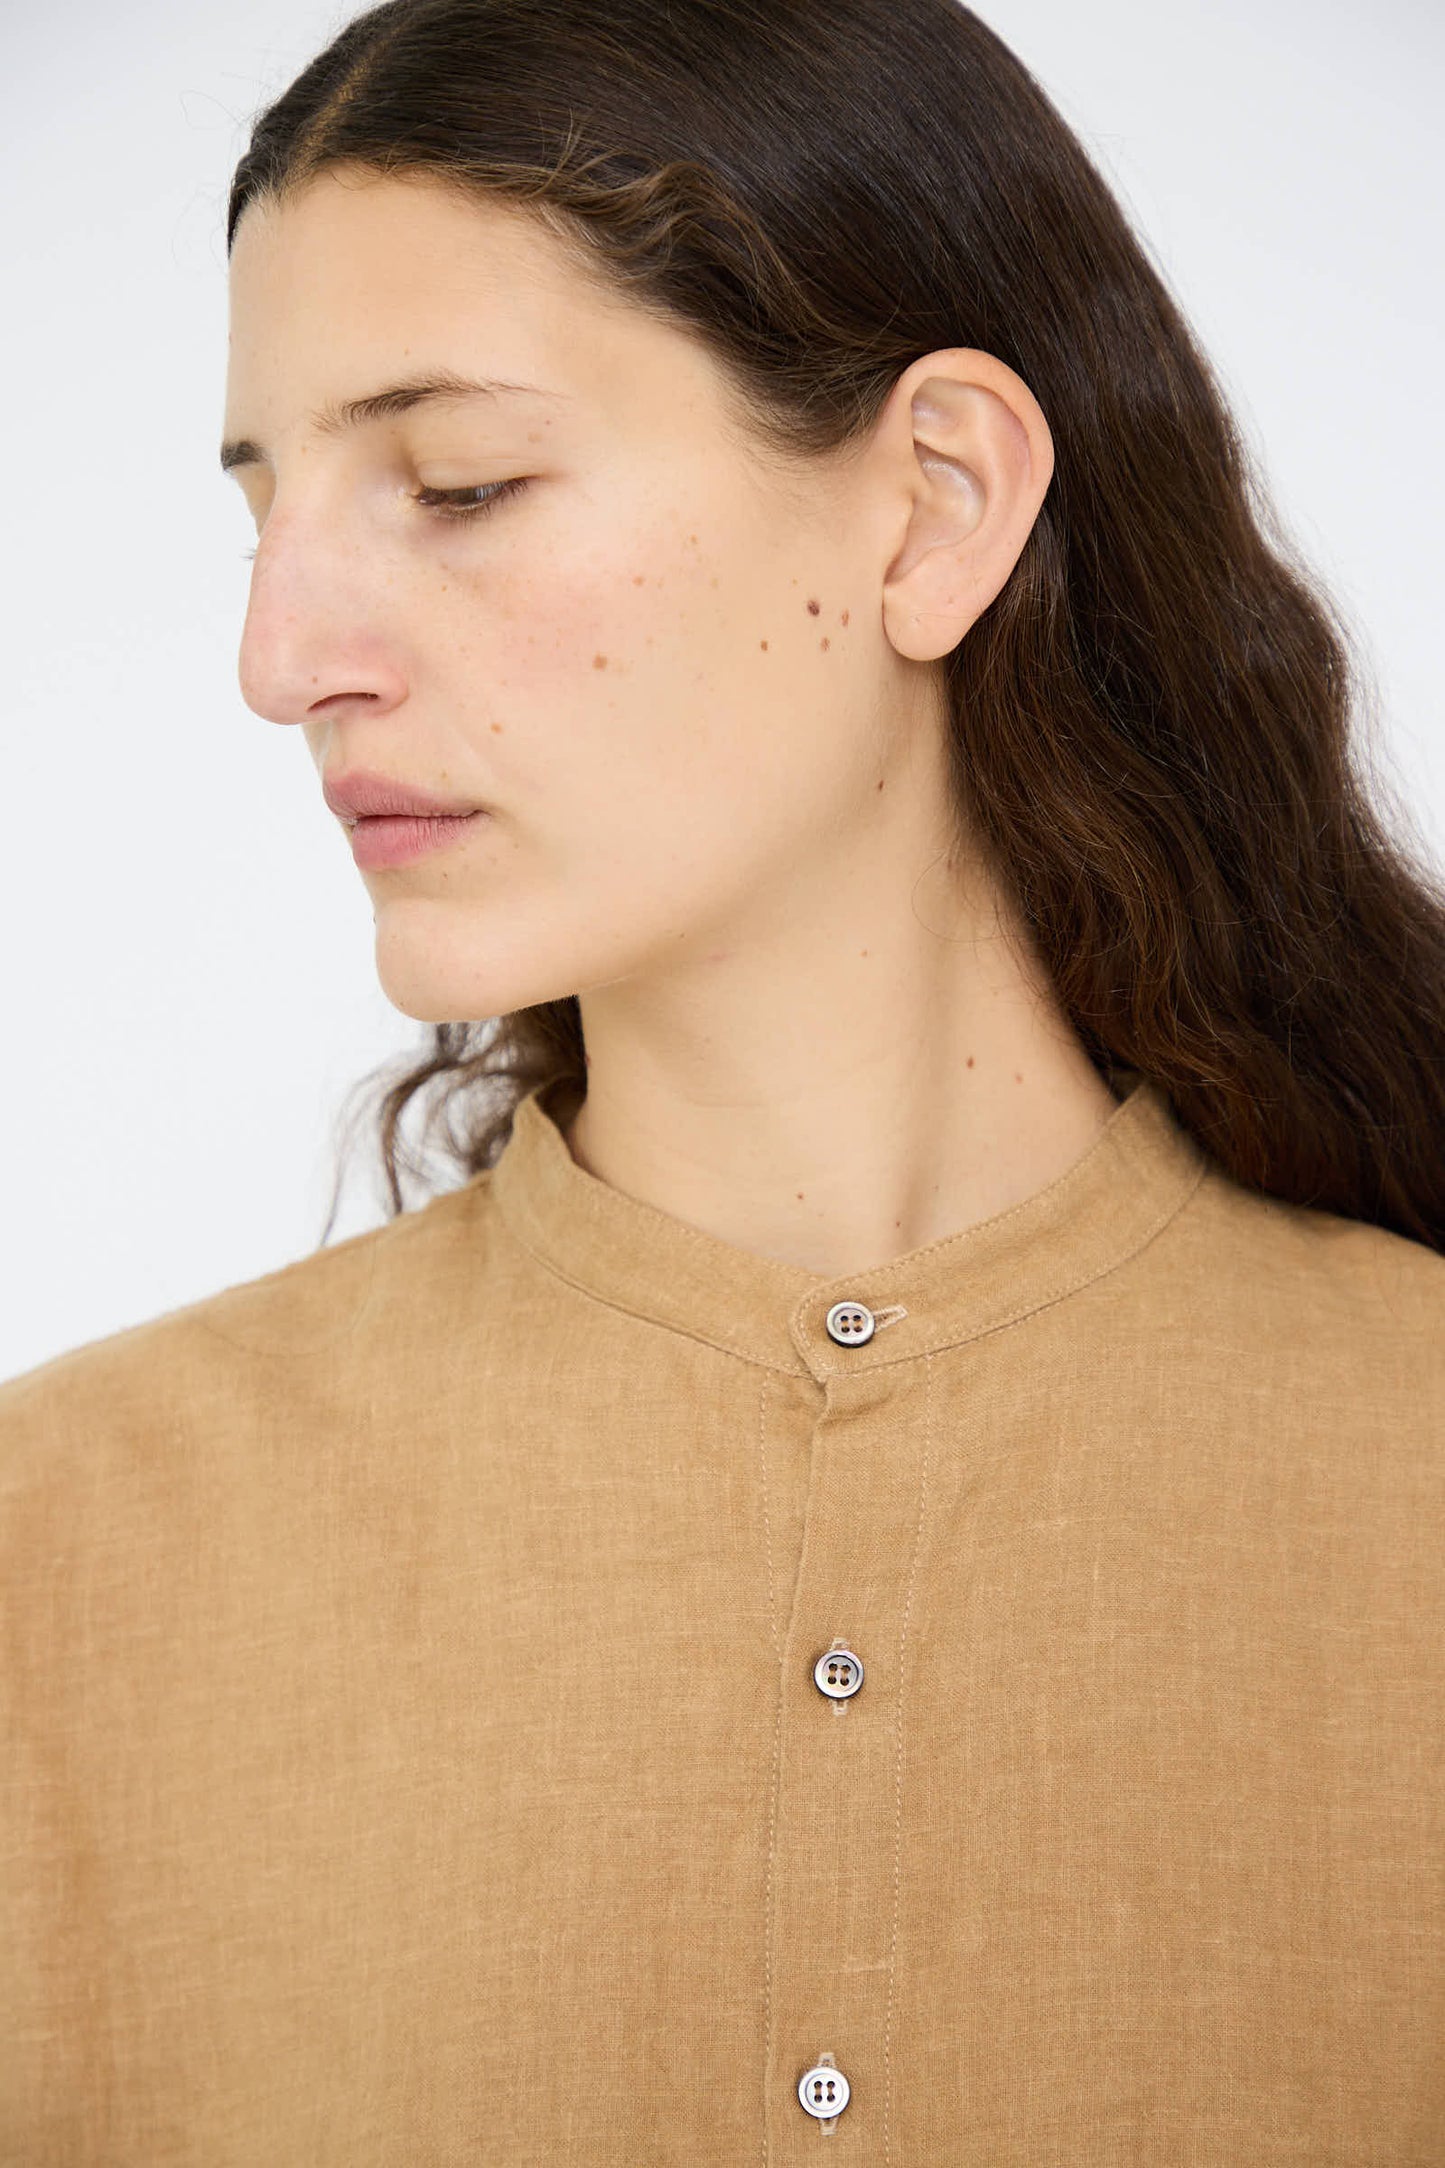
[{"x": 363, "y": 796}]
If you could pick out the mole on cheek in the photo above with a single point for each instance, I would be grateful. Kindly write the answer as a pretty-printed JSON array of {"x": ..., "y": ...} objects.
[{"x": 814, "y": 608}]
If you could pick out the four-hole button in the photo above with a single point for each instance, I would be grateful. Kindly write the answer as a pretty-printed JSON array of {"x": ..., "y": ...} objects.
[
  {"x": 838, "y": 1673},
  {"x": 824, "y": 2091},
  {"x": 849, "y": 1323}
]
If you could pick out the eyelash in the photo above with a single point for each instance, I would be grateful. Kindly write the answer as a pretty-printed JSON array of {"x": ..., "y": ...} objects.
[
  {"x": 495, "y": 491},
  {"x": 443, "y": 501}
]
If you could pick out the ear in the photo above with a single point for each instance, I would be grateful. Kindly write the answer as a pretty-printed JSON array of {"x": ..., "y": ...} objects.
[{"x": 965, "y": 444}]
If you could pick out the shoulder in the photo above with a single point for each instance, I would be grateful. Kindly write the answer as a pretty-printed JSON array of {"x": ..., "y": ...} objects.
[
  {"x": 1297, "y": 1263},
  {"x": 1279, "y": 1372},
  {"x": 1294, "y": 1325},
  {"x": 200, "y": 1365}
]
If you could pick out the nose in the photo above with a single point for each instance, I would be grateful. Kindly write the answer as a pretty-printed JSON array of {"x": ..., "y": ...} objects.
[{"x": 316, "y": 626}]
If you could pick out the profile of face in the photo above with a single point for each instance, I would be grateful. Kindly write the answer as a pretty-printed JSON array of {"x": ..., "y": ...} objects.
[{"x": 680, "y": 679}]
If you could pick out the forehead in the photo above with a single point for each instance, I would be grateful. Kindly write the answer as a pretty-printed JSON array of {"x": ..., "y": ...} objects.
[
  {"x": 358, "y": 278},
  {"x": 363, "y": 281},
  {"x": 359, "y": 237}
]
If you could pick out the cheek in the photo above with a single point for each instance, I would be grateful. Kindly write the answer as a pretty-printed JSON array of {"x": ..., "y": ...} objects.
[
  {"x": 655, "y": 694},
  {"x": 622, "y": 598},
  {"x": 596, "y": 651}
]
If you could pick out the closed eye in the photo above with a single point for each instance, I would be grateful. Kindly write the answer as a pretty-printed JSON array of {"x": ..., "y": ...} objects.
[
  {"x": 449, "y": 504},
  {"x": 469, "y": 503}
]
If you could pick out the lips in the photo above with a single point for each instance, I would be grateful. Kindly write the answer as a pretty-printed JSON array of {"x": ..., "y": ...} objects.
[
  {"x": 384, "y": 840},
  {"x": 362, "y": 796}
]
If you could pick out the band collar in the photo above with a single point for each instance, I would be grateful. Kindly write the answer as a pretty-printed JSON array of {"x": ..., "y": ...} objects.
[{"x": 1134, "y": 1177}]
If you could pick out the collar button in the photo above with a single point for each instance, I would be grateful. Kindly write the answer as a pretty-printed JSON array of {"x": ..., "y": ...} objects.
[{"x": 849, "y": 1323}]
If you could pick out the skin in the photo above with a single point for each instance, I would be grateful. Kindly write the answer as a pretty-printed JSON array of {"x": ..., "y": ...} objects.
[{"x": 701, "y": 694}]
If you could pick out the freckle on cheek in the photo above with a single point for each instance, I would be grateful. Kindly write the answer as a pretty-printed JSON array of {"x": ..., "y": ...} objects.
[
  {"x": 845, "y": 617},
  {"x": 764, "y": 645},
  {"x": 599, "y": 662},
  {"x": 824, "y": 641}
]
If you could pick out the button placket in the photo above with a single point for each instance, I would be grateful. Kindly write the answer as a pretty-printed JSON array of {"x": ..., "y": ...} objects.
[{"x": 834, "y": 1877}]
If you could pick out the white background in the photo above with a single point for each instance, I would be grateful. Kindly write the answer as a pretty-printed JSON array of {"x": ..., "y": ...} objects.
[{"x": 189, "y": 987}]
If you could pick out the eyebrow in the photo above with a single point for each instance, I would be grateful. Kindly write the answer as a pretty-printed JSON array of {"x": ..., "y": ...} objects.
[{"x": 334, "y": 419}]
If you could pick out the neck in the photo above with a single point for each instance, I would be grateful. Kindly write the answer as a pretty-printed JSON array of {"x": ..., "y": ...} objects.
[{"x": 834, "y": 1102}]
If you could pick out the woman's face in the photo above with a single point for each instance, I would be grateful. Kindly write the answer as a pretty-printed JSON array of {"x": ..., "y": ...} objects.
[{"x": 659, "y": 664}]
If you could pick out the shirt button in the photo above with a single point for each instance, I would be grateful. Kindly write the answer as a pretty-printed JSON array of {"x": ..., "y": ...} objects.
[
  {"x": 849, "y": 1323},
  {"x": 824, "y": 2091},
  {"x": 838, "y": 1673}
]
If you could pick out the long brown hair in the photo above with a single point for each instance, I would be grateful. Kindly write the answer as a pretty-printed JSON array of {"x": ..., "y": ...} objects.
[{"x": 1162, "y": 736}]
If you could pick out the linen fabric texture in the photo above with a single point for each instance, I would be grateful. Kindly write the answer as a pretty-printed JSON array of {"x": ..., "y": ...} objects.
[{"x": 412, "y": 1753}]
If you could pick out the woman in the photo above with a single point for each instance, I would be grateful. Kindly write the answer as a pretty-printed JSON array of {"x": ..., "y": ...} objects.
[{"x": 872, "y": 1573}]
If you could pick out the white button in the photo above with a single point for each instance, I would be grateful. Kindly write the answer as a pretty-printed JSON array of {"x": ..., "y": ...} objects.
[
  {"x": 838, "y": 1673},
  {"x": 849, "y": 1323},
  {"x": 824, "y": 2091}
]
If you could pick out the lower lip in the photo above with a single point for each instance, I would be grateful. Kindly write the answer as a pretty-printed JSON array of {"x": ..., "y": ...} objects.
[{"x": 396, "y": 839}]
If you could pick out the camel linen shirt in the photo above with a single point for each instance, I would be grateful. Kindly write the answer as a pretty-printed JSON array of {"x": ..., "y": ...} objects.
[{"x": 516, "y": 1687}]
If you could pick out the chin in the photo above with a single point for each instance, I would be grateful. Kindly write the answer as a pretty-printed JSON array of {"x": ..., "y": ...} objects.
[
  {"x": 422, "y": 981},
  {"x": 438, "y": 999}
]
